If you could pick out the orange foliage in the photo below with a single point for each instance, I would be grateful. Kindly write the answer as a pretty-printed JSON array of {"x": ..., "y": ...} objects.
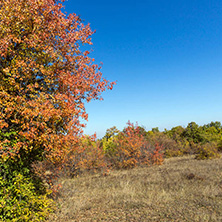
[
  {"x": 45, "y": 78},
  {"x": 157, "y": 155},
  {"x": 85, "y": 155},
  {"x": 132, "y": 149}
]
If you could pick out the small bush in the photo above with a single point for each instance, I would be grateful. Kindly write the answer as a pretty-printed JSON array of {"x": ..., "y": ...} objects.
[
  {"x": 126, "y": 148},
  {"x": 130, "y": 148},
  {"x": 157, "y": 155},
  {"x": 207, "y": 151}
]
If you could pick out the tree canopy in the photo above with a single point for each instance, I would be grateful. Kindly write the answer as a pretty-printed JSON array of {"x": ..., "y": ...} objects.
[{"x": 45, "y": 78}]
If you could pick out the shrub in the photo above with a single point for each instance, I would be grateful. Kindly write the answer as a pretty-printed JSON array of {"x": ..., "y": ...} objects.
[
  {"x": 109, "y": 145},
  {"x": 130, "y": 149},
  {"x": 127, "y": 151},
  {"x": 85, "y": 155},
  {"x": 207, "y": 151},
  {"x": 157, "y": 155},
  {"x": 170, "y": 147},
  {"x": 22, "y": 197}
]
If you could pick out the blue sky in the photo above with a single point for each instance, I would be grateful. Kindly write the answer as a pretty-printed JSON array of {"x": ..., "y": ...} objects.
[{"x": 166, "y": 57}]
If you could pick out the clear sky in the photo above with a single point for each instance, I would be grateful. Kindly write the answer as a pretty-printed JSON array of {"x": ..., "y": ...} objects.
[{"x": 166, "y": 57}]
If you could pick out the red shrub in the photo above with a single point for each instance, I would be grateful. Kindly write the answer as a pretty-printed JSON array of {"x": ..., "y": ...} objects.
[{"x": 132, "y": 149}]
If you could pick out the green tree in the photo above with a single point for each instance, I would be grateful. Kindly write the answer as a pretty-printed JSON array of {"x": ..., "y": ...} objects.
[
  {"x": 194, "y": 133},
  {"x": 155, "y": 130},
  {"x": 175, "y": 133},
  {"x": 111, "y": 132}
]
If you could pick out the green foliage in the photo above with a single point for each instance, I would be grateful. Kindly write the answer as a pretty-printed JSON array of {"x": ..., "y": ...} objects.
[
  {"x": 207, "y": 151},
  {"x": 111, "y": 132},
  {"x": 22, "y": 195},
  {"x": 109, "y": 145},
  {"x": 178, "y": 141},
  {"x": 191, "y": 138},
  {"x": 155, "y": 130},
  {"x": 217, "y": 125},
  {"x": 219, "y": 145},
  {"x": 194, "y": 133},
  {"x": 175, "y": 133}
]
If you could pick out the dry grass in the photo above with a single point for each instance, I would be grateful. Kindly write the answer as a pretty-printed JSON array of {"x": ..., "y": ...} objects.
[{"x": 182, "y": 189}]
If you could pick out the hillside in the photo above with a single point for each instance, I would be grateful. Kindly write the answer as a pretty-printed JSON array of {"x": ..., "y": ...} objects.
[{"x": 182, "y": 189}]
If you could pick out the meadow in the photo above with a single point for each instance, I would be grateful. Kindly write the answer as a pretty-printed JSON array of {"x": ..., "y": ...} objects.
[{"x": 181, "y": 189}]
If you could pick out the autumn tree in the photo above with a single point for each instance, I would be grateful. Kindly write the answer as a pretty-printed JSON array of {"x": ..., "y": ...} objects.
[
  {"x": 130, "y": 148},
  {"x": 45, "y": 79},
  {"x": 111, "y": 132}
]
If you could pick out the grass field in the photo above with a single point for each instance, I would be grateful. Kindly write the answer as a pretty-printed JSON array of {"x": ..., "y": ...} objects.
[{"x": 182, "y": 189}]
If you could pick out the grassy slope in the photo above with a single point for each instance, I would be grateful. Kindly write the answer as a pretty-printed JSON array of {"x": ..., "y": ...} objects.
[{"x": 182, "y": 189}]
